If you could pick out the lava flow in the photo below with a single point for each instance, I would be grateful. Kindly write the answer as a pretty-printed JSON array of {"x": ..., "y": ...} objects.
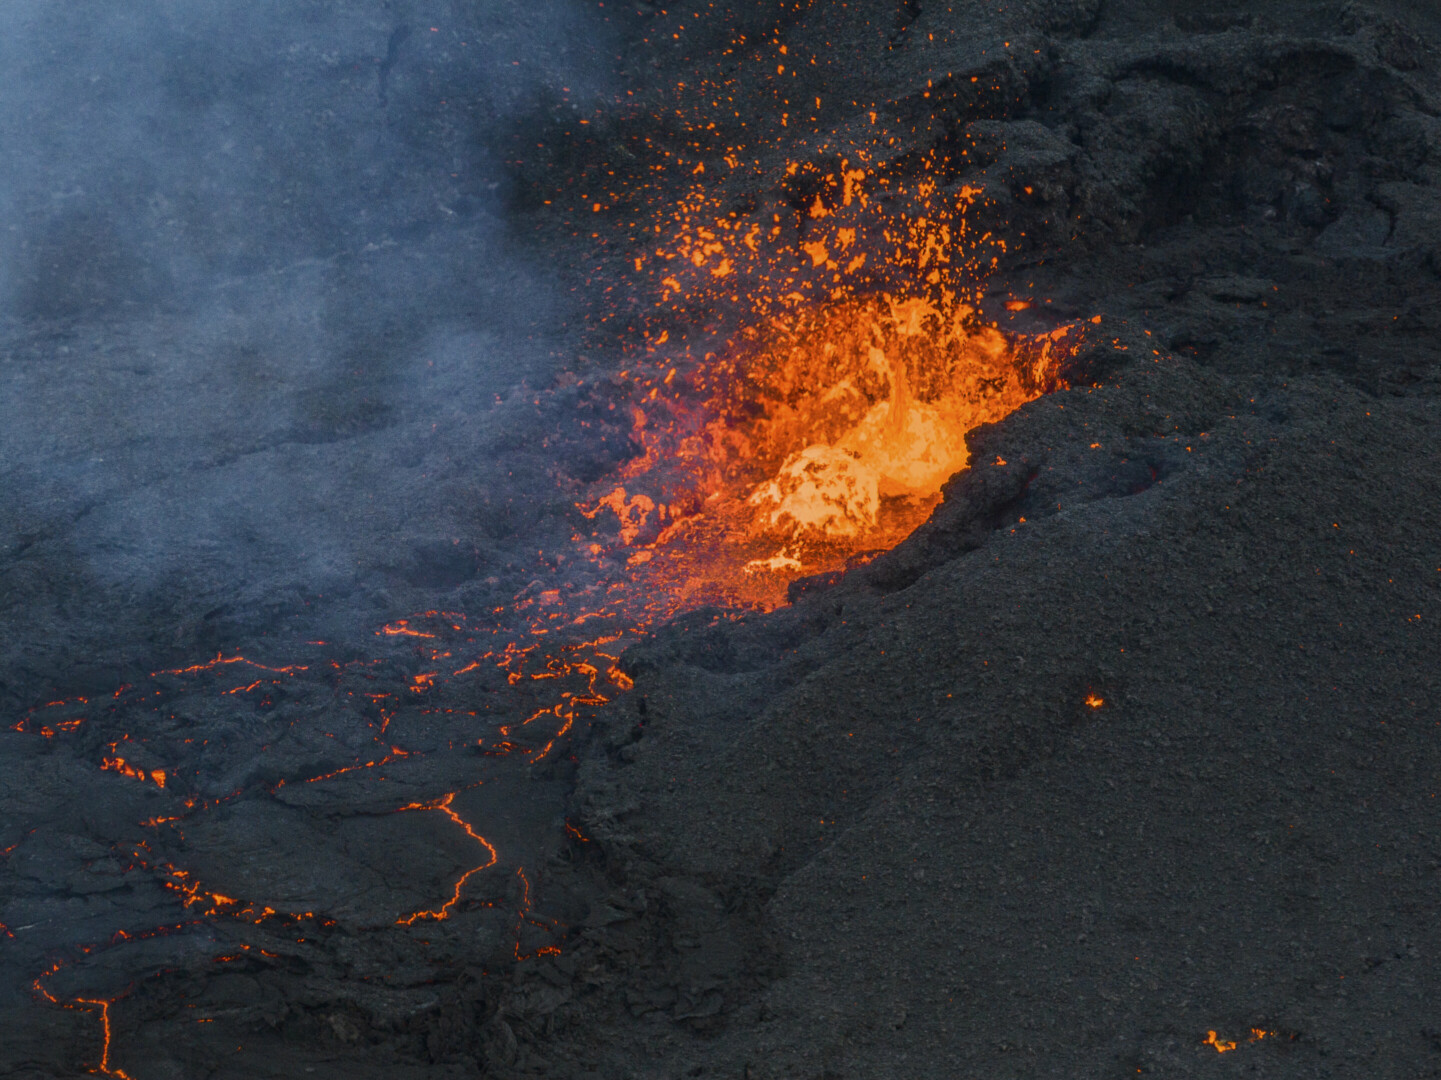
[
  {"x": 812, "y": 364},
  {"x": 104, "y": 1067},
  {"x": 813, "y": 433}
]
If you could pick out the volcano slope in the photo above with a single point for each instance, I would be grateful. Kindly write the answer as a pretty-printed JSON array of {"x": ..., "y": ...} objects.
[{"x": 1126, "y": 762}]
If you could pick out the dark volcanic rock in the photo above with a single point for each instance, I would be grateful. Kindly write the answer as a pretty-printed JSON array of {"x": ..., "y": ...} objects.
[
  {"x": 945, "y": 861},
  {"x": 968, "y": 869},
  {"x": 1128, "y": 753}
]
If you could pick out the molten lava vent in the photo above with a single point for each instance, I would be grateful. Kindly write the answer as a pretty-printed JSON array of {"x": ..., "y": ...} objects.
[
  {"x": 816, "y": 417},
  {"x": 811, "y": 356}
]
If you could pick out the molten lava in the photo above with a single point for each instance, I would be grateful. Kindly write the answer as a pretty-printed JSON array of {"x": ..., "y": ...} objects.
[
  {"x": 843, "y": 363},
  {"x": 814, "y": 360},
  {"x": 104, "y": 1068}
]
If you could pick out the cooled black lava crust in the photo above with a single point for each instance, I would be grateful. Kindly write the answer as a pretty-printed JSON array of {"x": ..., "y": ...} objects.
[{"x": 878, "y": 833}]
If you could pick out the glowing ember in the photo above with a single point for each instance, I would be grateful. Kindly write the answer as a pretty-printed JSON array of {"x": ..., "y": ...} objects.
[{"x": 1221, "y": 1045}]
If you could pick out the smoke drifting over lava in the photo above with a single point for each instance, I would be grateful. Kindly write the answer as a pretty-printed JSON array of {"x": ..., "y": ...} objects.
[
  {"x": 501, "y": 504},
  {"x": 156, "y": 149},
  {"x": 240, "y": 236},
  {"x": 262, "y": 327}
]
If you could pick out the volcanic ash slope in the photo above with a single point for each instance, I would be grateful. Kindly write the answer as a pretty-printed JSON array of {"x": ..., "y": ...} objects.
[{"x": 1140, "y": 767}]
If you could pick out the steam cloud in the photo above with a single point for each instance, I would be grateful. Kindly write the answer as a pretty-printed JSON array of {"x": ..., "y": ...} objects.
[{"x": 256, "y": 291}]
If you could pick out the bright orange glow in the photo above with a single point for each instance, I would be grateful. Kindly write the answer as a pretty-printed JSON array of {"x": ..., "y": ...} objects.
[
  {"x": 120, "y": 765},
  {"x": 839, "y": 404},
  {"x": 811, "y": 366},
  {"x": 1221, "y": 1045}
]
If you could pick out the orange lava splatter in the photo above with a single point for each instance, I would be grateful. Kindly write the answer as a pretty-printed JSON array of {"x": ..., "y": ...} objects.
[
  {"x": 1221, "y": 1045},
  {"x": 824, "y": 434},
  {"x": 816, "y": 416},
  {"x": 120, "y": 765}
]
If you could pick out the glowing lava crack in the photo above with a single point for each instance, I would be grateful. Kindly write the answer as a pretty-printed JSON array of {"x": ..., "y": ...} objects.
[{"x": 443, "y": 806}]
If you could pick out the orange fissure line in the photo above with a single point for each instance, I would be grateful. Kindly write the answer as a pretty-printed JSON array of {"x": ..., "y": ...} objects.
[
  {"x": 104, "y": 1007},
  {"x": 524, "y": 916},
  {"x": 396, "y": 753},
  {"x": 210, "y": 904},
  {"x": 443, "y": 912},
  {"x": 221, "y": 660}
]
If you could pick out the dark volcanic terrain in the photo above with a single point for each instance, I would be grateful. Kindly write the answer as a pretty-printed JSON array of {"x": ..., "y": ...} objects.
[{"x": 1127, "y": 762}]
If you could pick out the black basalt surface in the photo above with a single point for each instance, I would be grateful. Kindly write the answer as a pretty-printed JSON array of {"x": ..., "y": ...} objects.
[{"x": 1127, "y": 762}]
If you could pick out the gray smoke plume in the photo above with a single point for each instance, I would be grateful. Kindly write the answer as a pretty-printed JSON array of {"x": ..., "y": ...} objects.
[{"x": 258, "y": 291}]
